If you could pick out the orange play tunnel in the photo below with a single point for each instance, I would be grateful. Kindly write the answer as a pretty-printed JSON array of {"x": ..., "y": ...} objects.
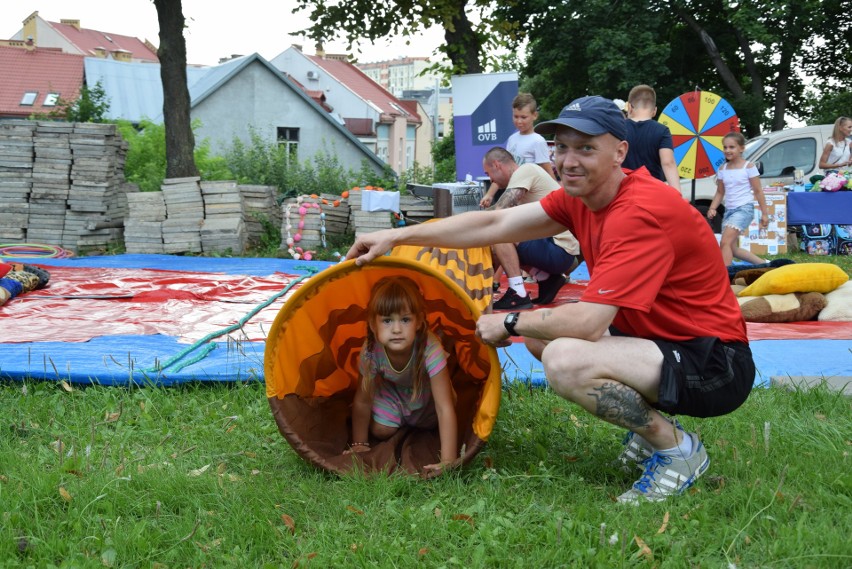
[{"x": 311, "y": 365}]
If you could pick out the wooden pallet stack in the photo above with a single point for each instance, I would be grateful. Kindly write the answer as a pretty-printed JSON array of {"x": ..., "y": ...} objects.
[
  {"x": 143, "y": 227},
  {"x": 16, "y": 173},
  {"x": 95, "y": 212},
  {"x": 361, "y": 222},
  {"x": 223, "y": 227},
  {"x": 51, "y": 183},
  {"x": 416, "y": 210},
  {"x": 260, "y": 203}
]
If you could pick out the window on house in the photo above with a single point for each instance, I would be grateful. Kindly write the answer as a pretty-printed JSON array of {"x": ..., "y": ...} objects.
[
  {"x": 29, "y": 98},
  {"x": 50, "y": 99},
  {"x": 288, "y": 137}
]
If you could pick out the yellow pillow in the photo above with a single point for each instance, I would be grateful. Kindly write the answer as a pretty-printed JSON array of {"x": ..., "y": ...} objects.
[{"x": 798, "y": 277}]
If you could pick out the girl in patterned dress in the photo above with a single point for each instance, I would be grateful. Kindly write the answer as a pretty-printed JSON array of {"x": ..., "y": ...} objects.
[{"x": 404, "y": 376}]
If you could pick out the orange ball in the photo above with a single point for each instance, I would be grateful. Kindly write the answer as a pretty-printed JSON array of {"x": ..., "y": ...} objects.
[
  {"x": 336, "y": 203},
  {"x": 325, "y": 201},
  {"x": 314, "y": 196},
  {"x": 345, "y": 194}
]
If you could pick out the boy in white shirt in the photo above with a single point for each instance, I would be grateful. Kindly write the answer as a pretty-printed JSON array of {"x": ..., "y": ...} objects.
[{"x": 526, "y": 145}]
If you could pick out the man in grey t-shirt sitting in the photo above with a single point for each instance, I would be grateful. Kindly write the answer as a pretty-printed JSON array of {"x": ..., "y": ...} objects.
[{"x": 547, "y": 260}]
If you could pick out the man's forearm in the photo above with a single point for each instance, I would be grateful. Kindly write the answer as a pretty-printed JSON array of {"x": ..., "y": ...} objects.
[
  {"x": 469, "y": 229},
  {"x": 581, "y": 320}
]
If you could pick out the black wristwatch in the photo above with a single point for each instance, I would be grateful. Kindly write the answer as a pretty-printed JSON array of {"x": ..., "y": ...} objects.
[{"x": 510, "y": 321}]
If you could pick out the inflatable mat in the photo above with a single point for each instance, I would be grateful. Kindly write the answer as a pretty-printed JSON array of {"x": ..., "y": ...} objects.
[{"x": 311, "y": 367}]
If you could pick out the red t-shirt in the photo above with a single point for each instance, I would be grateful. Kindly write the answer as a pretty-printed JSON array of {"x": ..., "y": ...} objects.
[{"x": 653, "y": 255}]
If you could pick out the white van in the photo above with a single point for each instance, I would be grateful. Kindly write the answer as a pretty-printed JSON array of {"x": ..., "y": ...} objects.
[{"x": 777, "y": 154}]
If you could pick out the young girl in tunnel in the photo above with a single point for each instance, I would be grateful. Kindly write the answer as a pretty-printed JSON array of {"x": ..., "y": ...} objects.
[{"x": 404, "y": 375}]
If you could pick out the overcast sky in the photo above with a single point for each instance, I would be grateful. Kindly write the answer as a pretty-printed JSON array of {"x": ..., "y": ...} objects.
[{"x": 215, "y": 29}]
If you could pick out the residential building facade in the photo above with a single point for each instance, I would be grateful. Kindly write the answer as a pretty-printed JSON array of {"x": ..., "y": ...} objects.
[
  {"x": 400, "y": 74},
  {"x": 69, "y": 36},
  {"x": 234, "y": 100},
  {"x": 379, "y": 119}
]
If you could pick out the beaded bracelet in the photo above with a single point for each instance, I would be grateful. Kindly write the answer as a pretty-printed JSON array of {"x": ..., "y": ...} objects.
[{"x": 359, "y": 445}]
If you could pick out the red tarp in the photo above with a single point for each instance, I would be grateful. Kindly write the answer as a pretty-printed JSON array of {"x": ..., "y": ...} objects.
[
  {"x": 188, "y": 306},
  {"x": 184, "y": 305}
]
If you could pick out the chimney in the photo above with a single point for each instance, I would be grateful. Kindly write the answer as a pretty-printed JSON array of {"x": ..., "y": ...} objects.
[
  {"x": 320, "y": 50},
  {"x": 74, "y": 23},
  {"x": 30, "y": 43},
  {"x": 122, "y": 55}
]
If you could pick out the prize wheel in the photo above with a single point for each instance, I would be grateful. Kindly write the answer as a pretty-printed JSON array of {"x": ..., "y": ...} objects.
[{"x": 698, "y": 120}]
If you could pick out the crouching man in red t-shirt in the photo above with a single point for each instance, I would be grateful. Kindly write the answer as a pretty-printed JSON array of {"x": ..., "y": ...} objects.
[{"x": 658, "y": 327}]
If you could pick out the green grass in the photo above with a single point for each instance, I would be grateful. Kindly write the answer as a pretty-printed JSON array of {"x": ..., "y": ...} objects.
[
  {"x": 842, "y": 261},
  {"x": 198, "y": 476}
]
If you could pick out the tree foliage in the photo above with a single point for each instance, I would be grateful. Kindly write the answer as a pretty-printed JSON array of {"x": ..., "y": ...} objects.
[
  {"x": 598, "y": 47},
  {"x": 444, "y": 156},
  {"x": 829, "y": 106},
  {"x": 91, "y": 105},
  {"x": 759, "y": 55},
  {"x": 468, "y": 46}
]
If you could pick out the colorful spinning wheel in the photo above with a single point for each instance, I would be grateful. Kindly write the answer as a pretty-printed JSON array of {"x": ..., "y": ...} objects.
[{"x": 698, "y": 120}]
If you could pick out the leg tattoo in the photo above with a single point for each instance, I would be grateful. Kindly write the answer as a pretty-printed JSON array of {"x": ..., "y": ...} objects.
[{"x": 621, "y": 405}]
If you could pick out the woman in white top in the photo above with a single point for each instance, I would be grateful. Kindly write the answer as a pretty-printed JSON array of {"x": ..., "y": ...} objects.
[
  {"x": 736, "y": 181},
  {"x": 837, "y": 154}
]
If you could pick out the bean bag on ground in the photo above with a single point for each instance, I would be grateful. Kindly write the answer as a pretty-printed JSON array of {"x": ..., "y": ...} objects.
[{"x": 311, "y": 367}]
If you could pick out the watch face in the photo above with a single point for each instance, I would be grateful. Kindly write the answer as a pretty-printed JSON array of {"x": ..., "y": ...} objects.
[{"x": 510, "y": 321}]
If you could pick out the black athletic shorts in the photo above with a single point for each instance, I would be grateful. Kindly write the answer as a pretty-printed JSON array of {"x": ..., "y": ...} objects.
[{"x": 703, "y": 377}]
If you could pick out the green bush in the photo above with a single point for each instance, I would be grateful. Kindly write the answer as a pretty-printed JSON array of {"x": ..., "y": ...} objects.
[
  {"x": 268, "y": 163},
  {"x": 211, "y": 167},
  {"x": 444, "y": 157},
  {"x": 91, "y": 105},
  {"x": 146, "y": 156}
]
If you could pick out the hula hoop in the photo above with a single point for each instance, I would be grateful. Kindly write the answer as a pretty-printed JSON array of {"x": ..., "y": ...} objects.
[{"x": 34, "y": 250}]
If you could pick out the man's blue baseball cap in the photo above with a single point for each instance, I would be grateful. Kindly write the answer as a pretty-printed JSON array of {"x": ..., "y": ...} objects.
[{"x": 590, "y": 115}]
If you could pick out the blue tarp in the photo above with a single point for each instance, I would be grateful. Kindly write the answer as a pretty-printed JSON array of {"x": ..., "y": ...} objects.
[{"x": 121, "y": 360}]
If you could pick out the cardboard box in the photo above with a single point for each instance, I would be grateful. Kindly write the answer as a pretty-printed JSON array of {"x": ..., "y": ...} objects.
[{"x": 773, "y": 239}]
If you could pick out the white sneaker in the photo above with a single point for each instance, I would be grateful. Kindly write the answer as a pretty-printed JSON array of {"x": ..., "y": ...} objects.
[
  {"x": 637, "y": 450},
  {"x": 667, "y": 475}
]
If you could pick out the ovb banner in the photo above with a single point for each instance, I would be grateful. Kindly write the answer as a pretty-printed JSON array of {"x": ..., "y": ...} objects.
[{"x": 482, "y": 117}]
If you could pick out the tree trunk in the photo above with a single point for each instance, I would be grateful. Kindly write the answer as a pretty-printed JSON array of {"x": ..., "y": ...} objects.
[
  {"x": 180, "y": 141},
  {"x": 750, "y": 125},
  {"x": 782, "y": 91},
  {"x": 463, "y": 45}
]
